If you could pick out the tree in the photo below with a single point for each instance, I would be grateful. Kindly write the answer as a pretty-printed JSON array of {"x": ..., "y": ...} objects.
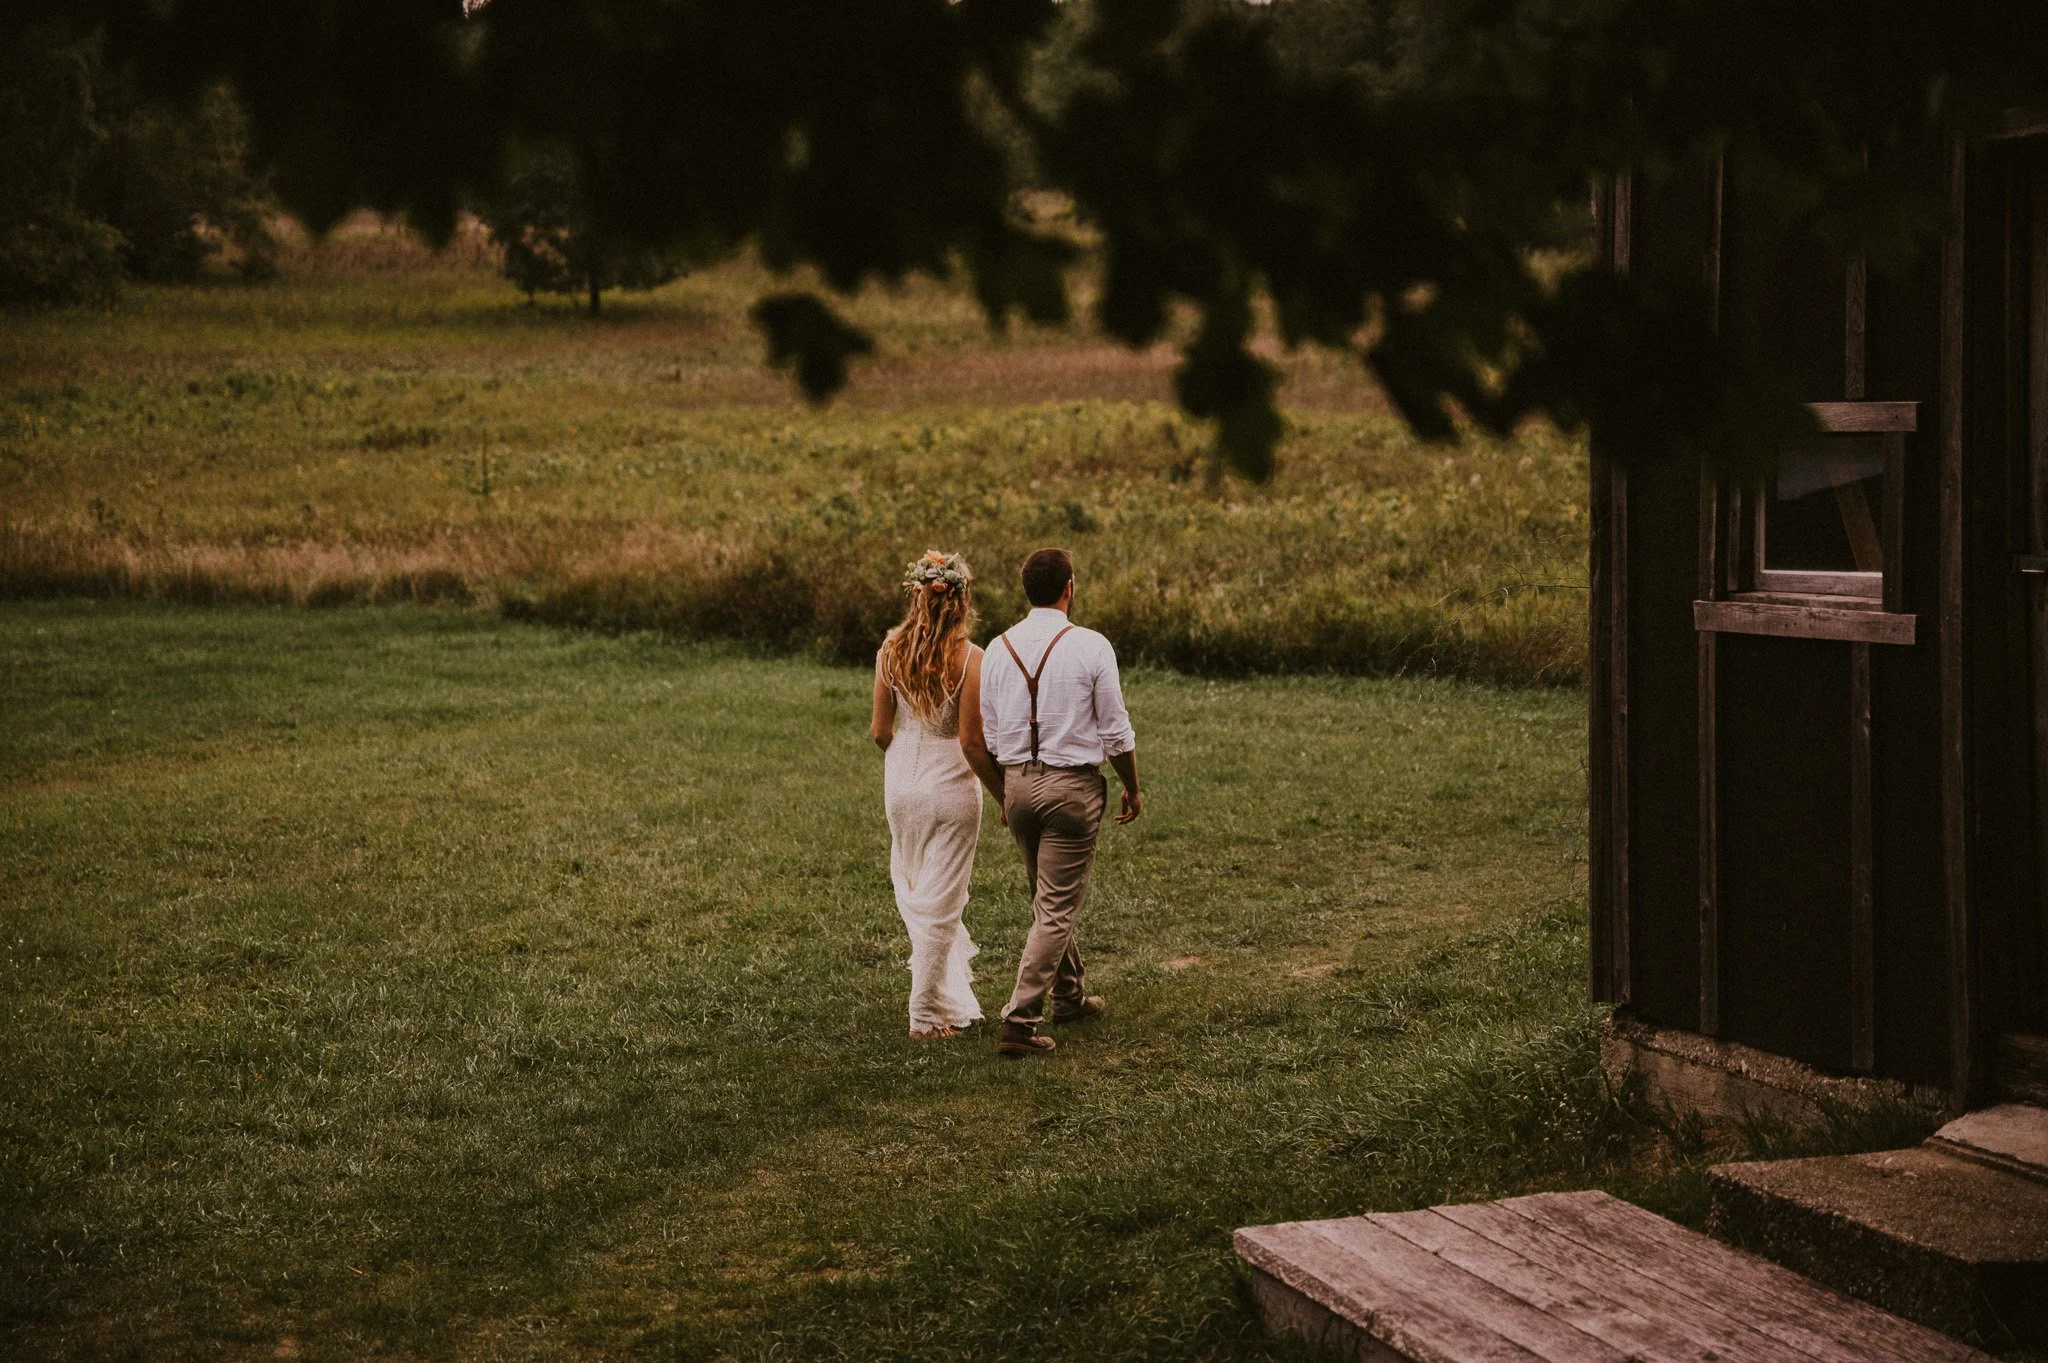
[
  {"x": 1387, "y": 205},
  {"x": 174, "y": 180},
  {"x": 51, "y": 249},
  {"x": 542, "y": 224},
  {"x": 103, "y": 182}
]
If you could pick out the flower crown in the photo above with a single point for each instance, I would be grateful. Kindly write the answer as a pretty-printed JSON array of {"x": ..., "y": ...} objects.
[{"x": 943, "y": 573}]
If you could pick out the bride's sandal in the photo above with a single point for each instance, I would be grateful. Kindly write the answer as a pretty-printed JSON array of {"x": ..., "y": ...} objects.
[{"x": 934, "y": 1033}]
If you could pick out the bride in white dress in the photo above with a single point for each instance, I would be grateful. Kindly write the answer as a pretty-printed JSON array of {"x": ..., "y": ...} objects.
[{"x": 933, "y": 798}]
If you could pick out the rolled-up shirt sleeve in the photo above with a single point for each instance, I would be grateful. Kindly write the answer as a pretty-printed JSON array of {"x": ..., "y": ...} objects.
[{"x": 1112, "y": 720}]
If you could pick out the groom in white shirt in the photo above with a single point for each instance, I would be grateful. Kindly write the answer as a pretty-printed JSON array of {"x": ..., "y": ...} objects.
[{"x": 1050, "y": 712}]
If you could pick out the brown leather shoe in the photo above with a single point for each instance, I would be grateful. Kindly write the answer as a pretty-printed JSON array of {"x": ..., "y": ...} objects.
[
  {"x": 1017, "y": 1040},
  {"x": 1089, "y": 1007}
]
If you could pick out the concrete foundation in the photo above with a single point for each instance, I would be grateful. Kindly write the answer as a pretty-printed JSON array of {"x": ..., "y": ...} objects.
[{"x": 1727, "y": 1083}]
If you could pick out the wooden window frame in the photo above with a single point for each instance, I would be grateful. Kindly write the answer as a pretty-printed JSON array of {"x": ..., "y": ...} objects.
[{"x": 1860, "y": 607}]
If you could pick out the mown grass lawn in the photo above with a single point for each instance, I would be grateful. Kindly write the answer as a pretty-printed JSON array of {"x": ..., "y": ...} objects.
[{"x": 414, "y": 984}]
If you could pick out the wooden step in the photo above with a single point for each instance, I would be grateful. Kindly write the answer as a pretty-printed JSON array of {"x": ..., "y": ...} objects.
[
  {"x": 1558, "y": 1278},
  {"x": 1950, "y": 1242}
]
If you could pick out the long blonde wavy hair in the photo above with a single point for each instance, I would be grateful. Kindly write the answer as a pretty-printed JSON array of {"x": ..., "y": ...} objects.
[{"x": 941, "y": 612}]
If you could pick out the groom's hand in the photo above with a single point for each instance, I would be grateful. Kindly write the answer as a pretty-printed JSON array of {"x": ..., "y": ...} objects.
[{"x": 1126, "y": 764}]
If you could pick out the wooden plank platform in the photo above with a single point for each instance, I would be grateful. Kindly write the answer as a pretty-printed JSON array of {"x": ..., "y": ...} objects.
[{"x": 1559, "y": 1278}]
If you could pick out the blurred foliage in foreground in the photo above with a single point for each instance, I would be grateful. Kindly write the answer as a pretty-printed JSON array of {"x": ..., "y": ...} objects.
[
  {"x": 403, "y": 433},
  {"x": 1386, "y": 200}
]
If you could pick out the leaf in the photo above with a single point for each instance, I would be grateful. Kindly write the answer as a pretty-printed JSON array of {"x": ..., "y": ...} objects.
[
  {"x": 1000, "y": 34},
  {"x": 1645, "y": 371},
  {"x": 1025, "y": 272},
  {"x": 1222, "y": 380},
  {"x": 805, "y": 333}
]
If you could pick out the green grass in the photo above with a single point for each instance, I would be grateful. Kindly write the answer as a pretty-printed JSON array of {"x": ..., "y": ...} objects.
[
  {"x": 417, "y": 434},
  {"x": 410, "y": 983}
]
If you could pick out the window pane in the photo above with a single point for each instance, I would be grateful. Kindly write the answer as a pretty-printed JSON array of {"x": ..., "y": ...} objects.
[{"x": 1823, "y": 512}]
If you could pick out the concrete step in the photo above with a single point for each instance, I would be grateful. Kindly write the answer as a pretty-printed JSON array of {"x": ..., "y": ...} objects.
[
  {"x": 2011, "y": 1136},
  {"x": 1945, "y": 1234}
]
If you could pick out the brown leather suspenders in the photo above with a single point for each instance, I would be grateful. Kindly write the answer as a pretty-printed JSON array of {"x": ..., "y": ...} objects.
[{"x": 1031, "y": 679}]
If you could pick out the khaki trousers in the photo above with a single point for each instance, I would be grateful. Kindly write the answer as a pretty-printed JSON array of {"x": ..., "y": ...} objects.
[{"x": 1054, "y": 813}]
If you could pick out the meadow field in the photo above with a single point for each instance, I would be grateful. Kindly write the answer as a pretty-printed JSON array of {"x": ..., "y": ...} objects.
[
  {"x": 417, "y": 984},
  {"x": 380, "y": 425},
  {"x": 501, "y": 962}
]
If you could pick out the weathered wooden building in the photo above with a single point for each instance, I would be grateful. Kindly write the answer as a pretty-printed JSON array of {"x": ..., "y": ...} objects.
[
  {"x": 1819, "y": 791},
  {"x": 1820, "y": 699}
]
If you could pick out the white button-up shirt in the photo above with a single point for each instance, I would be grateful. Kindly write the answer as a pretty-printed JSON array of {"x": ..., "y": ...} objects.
[{"x": 1081, "y": 715}]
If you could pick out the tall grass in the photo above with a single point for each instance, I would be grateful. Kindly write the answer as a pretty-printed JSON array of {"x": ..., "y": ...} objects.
[{"x": 365, "y": 432}]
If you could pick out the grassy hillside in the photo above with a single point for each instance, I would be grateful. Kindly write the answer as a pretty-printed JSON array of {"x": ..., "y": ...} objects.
[{"x": 383, "y": 427}]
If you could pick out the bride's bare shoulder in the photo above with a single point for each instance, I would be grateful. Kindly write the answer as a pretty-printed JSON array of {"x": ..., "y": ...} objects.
[{"x": 969, "y": 663}]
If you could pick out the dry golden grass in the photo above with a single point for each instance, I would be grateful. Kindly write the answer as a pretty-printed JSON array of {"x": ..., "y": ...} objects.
[{"x": 384, "y": 424}]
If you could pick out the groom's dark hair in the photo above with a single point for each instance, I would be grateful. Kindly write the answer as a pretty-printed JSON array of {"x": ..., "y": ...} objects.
[{"x": 1046, "y": 574}]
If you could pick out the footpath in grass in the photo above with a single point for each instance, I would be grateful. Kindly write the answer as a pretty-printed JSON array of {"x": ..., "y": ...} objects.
[
  {"x": 406, "y": 983},
  {"x": 418, "y": 435}
]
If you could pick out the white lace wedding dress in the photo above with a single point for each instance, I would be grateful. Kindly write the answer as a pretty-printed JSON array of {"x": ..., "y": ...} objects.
[{"x": 934, "y": 805}]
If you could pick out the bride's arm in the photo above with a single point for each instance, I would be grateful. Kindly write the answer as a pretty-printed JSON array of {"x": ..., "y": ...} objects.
[
  {"x": 883, "y": 730},
  {"x": 973, "y": 741}
]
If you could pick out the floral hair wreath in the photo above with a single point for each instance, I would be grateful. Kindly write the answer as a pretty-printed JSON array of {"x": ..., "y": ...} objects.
[{"x": 943, "y": 573}]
